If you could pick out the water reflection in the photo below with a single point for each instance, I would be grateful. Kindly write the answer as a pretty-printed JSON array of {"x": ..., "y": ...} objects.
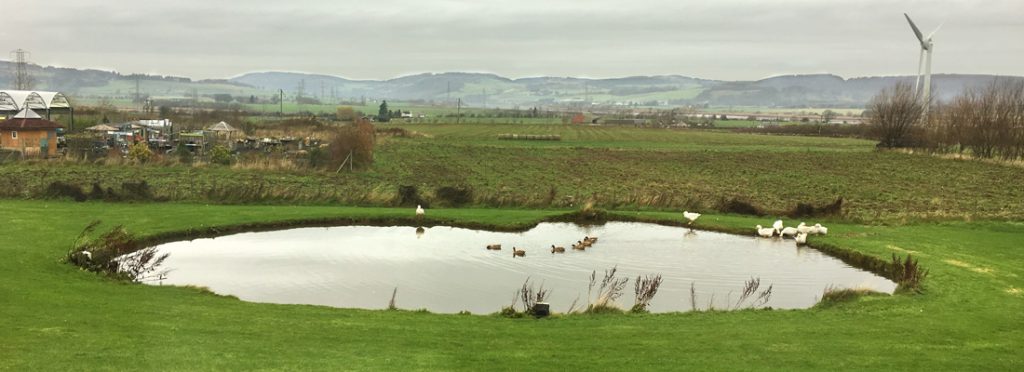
[{"x": 359, "y": 266}]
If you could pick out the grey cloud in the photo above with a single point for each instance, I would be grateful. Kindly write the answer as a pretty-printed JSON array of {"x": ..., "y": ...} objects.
[{"x": 736, "y": 39}]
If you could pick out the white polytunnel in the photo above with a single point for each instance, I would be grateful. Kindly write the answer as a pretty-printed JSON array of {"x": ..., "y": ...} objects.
[{"x": 17, "y": 100}]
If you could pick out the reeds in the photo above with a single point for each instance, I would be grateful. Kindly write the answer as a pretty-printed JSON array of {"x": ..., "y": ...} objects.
[
  {"x": 391, "y": 303},
  {"x": 750, "y": 292},
  {"x": 530, "y": 296},
  {"x": 610, "y": 289},
  {"x": 907, "y": 273},
  {"x": 644, "y": 289},
  {"x": 113, "y": 254},
  {"x": 751, "y": 297}
]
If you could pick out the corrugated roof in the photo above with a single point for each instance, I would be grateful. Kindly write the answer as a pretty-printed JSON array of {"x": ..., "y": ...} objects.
[{"x": 222, "y": 127}]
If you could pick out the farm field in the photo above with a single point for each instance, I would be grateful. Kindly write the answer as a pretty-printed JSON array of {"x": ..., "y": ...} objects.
[
  {"x": 615, "y": 167},
  {"x": 57, "y": 317}
]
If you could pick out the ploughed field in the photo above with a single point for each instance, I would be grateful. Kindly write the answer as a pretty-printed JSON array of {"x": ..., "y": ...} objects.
[{"x": 615, "y": 167}]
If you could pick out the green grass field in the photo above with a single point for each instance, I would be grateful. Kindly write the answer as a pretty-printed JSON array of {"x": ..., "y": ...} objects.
[
  {"x": 56, "y": 317},
  {"x": 617, "y": 167}
]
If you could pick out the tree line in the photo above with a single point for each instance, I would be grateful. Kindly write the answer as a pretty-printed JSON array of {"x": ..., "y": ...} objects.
[{"x": 985, "y": 122}]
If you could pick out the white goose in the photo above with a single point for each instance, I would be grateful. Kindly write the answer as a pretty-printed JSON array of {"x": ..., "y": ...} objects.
[
  {"x": 818, "y": 229},
  {"x": 777, "y": 225},
  {"x": 419, "y": 211},
  {"x": 691, "y": 216},
  {"x": 803, "y": 228},
  {"x": 801, "y": 238},
  {"x": 765, "y": 233},
  {"x": 788, "y": 231}
]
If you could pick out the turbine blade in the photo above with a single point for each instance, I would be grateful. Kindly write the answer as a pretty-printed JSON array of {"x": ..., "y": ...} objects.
[
  {"x": 916, "y": 30},
  {"x": 936, "y": 30}
]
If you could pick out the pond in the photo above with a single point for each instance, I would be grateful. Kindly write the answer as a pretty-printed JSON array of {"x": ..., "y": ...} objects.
[{"x": 448, "y": 269}]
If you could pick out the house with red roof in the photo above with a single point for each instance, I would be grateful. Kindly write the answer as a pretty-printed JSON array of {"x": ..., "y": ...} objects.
[{"x": 29, "y": 134}]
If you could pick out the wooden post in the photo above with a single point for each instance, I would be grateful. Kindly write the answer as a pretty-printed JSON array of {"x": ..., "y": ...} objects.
[{"x": 348, "y": 160}]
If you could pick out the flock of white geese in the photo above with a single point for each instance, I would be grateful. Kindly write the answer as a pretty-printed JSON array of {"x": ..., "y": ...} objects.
[{"x": 778, "y": 229}]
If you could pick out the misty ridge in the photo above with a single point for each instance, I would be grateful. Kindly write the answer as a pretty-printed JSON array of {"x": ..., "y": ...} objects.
[{"x": 483, "y": 89}]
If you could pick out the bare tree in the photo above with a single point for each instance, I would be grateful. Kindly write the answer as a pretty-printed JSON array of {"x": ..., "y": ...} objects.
[{"x": 893, "y": 114}]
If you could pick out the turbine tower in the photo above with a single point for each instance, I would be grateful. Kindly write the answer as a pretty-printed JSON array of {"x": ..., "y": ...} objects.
[{"x": 926, "y": 47}]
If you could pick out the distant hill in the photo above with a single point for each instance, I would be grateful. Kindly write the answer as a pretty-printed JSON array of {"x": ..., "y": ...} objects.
[
  {"x": 478, "y": 89},
  {"x": 828, "y": 90}
]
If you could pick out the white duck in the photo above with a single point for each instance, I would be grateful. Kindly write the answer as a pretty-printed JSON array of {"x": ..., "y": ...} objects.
[
  {"x": 801, "y": 238},
  {"x": 765, "y": 233},
  {"x": 789, "y": 231},
  {"x": 419, "y": 211},
  {"x": 803, "y": 228},
  {"x": 818, "y": 229},
  {"x": 691, "y": 216},
  {"x": 777, "y": 225}
]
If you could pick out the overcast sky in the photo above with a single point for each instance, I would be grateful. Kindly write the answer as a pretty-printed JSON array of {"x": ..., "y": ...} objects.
[{"x": 379, "y": 39}]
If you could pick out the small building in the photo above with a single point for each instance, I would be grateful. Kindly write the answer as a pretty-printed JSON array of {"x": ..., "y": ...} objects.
[{"x": 29, "y": 134}]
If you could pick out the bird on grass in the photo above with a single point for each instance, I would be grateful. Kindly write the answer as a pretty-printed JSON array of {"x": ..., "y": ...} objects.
[
  {"x": 690, "y": 216},
  {"x": 818, "y": 229},
  {"x": 419, "y": 211},
  {"x": 778, "y": 225},
  {"x": 803, "y": 228}
]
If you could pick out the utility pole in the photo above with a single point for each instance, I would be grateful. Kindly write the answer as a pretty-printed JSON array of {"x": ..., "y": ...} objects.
[
  {"x": 138, "y": 98},
  {"x": 458, "y": 112},
  {"x": 280, "y": 100}
]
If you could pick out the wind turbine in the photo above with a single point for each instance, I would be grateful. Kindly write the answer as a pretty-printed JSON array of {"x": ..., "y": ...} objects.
[{"x": 926, "y": 47}]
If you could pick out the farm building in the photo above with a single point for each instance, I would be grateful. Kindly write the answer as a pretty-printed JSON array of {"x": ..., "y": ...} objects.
[
  {"x": 29, "y": 134},
  {"x": 12, "y": 101}
]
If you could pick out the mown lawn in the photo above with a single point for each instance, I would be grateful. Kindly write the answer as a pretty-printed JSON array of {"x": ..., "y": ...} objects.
[{"x": 55, "y": 317}]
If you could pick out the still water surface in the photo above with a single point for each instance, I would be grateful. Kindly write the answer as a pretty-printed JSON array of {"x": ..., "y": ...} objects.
[{"x": 447, "y": 269}]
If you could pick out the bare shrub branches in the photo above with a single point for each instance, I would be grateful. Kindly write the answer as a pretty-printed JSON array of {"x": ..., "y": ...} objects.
[
  {"x": 892, "y": 114},
  {"x": 357, "y": 140},
  {"x": 986, "y": 122}
]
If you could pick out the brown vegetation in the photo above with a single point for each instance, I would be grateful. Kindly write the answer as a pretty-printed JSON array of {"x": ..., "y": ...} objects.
[
  {"x": 356, "y": 140},
  {"x": 892, "y": 115}
]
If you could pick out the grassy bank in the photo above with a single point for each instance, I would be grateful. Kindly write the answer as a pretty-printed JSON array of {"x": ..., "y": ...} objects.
[
  {"x": 56, "y": 317},
  {"x": 615, "y": 167}
]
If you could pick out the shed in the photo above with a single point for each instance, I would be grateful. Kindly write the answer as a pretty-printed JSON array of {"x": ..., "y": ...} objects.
[
  {"x": 101, "y": 128},
  {"x": 30, "y": 134},
  {"x": 222, "y": 129}
]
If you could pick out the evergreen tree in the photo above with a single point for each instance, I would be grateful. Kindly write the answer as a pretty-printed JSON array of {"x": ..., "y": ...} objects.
[{"x": 383, "y": 114}]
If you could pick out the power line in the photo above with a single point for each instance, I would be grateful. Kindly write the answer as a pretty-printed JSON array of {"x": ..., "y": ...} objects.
[{"x": 22, "y": 80}]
